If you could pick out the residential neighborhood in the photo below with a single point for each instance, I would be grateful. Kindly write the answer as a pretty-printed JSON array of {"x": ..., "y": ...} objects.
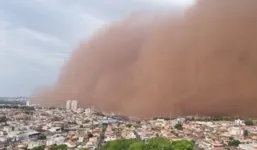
[{"x": 78, "y": 128}]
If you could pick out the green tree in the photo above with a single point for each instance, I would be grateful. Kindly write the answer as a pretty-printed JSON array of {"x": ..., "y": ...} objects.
[
  {"x": 121, "y": 144},
  {"x": 179, "y": 126},
  {"x": 249, "y": 122},
  {"x": 234, "y": 143},
  {"x": 158, "y": 144},
  {"x": 246, "y": 133},
  {"x": 136, "y": 146},
  {"x": 183, "y": 145},
  {"x": 59, "y": 147},
  {"x": 83, "y": 149},
  {"x": 39, "y": 148}
]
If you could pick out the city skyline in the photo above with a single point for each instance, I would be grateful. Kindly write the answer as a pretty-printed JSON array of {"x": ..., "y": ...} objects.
[
  {"x": 52, "y": 127},
  {"x": 72, "y": 105}
]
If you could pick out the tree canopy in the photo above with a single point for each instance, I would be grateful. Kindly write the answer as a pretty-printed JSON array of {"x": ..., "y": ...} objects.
[
  {"x": 39, "y": 148},
  {"x": 179, "y": 126},
  {"x": 152, "y": 144},
  {"x": 249, "y": 122},
  {"x": 59, "y": 147},
  {"x": 234, "y": 143}
]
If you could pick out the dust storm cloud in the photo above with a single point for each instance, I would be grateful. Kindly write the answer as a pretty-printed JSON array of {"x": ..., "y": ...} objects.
[{"x": 204, "y": 61}]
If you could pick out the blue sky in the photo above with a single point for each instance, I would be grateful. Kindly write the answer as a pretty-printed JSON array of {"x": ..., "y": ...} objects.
[{"x": 37, "y": 36}]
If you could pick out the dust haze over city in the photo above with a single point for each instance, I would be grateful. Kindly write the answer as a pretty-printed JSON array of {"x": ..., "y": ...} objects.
[{"x": 202, "y": 61}]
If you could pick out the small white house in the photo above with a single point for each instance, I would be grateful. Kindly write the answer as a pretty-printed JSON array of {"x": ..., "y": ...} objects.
[
  {"x": 34, "y": 144},
  {"x": 131, "y": 135},
  {"x": 55, "y": 129},
  {"x": 239, "y": 122},
  {"x": 110, "y": 138},
  {"x": 8, "y": 128},
  {"x": 58, "y": 140},
  {"x": 235, "y": 131}
]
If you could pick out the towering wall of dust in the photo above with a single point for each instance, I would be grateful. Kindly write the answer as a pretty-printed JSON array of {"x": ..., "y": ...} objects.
[{"x": 202, "y": 62}]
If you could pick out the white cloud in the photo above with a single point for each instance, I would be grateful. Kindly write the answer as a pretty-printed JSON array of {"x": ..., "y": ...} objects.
[
  {"x": 177, "y": 2},
  {"x": 32, "y": 46},
  {"x": 37, "y": 36},
  {"x": 40, "y": 36},
  {"x": 172, "y": 3},
  {"x": 31, "y": 56}
]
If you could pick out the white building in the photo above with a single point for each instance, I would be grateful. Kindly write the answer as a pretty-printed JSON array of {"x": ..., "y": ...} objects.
[
  {"x": 92, "y": 143},
  {"x": 8, "y": 128},
  {"x": 110, "y": 138},
  {"x": 248, "y": 146},
  {"x": 88, "y": 111},
  {"x": 80, "y": 110},
  {"x": 68, "y": 104},
  {"x": 33, "y": 144},
  {"x": 80, "y": 139},
  {"x": 56, "y": 139},
  {"x": 177, "y": 121},
  {"x": 70, "y": 144},
  {"x": 235, "y": 131},
  {"x": 130, "y": 135},
  {"x": 74, "y": 105},
  {"x": 239, "y": 122},
  {"x": 28, "y": 103},
  {"x": 17, "y": 136},
  {"x": 55, "y": 129}
]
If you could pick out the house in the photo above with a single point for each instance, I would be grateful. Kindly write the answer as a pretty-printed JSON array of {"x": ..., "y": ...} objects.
[
  {"x": 110, "y": 138},
  {"x": 248, "y": 146},
  {"x": 34, "y": 144},
  {"x": 235, "y": 131},
  {"x": 92, "y": 143},
  {"x": 2, "y": 133},
  {"x": 55, "y": 129},
  {"x": 70, "y": 144},
  {"x": 130, "y": 135},
  {"x": 3, "y": 139},
  {"x": 56, "y": 139},
  {"x": 17, "y": 136},
  {"x": 88, "y": 111},
  {"x": 217, "y": 144},
  {"x": 80, "y": 139},
  {"x": 3, "y": 145},
  {"x": 7, "y": 128},
  {"x": 239, "y": 122},
  {"x": 21, "y": 146}
]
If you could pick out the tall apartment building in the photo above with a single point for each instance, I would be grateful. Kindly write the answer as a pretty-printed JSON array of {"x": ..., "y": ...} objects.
[
  {"x": 28, "y": 103},
  {"x": 74, "y": 105},
  {"x": 68, "y": 104}
]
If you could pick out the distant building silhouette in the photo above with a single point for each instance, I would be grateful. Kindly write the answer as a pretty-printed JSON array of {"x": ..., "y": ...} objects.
[
  {"x": 68, "y": 104},
  {"x": 74, "y": 105},
  {"x": 28, "y": 103}
]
